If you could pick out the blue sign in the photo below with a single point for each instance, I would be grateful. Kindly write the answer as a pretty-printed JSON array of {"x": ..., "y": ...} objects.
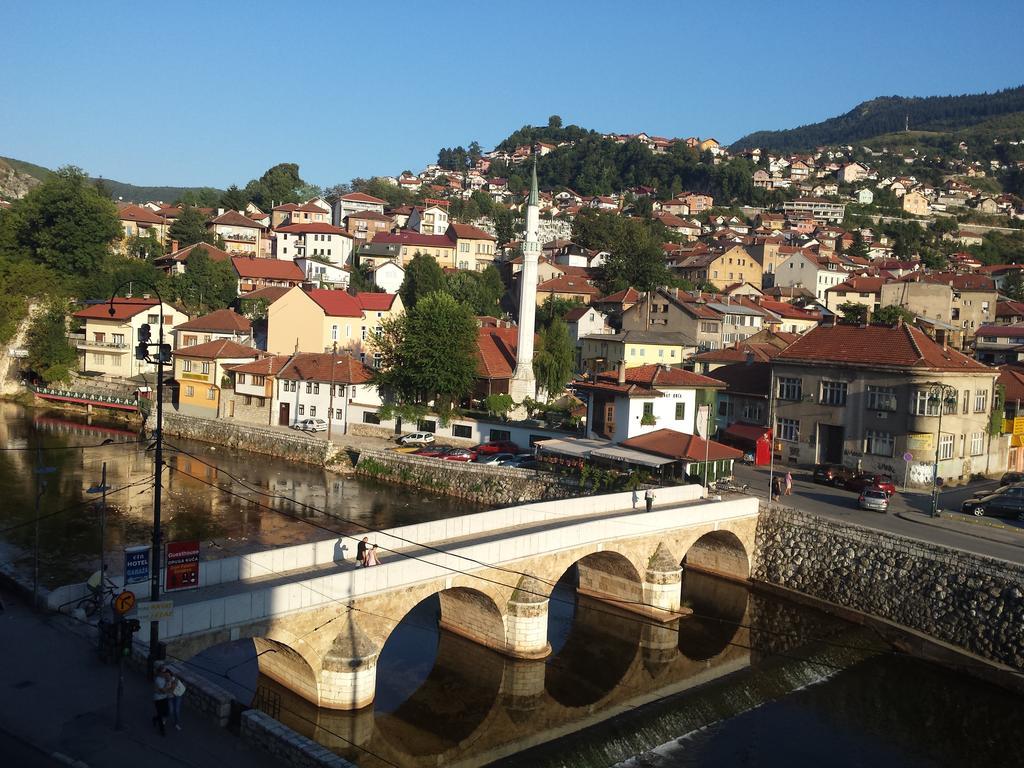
[{"x": 136, "y": 564}]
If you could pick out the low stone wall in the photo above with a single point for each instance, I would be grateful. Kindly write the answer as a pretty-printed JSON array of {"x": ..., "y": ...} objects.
[
  {"x": 289, "y": 747},
  {"x": 293, "y": 446},
  {"x": 205, "y": 697},
  {"x": 476, "y": 482},
  {"x": 972, "y": 602}
]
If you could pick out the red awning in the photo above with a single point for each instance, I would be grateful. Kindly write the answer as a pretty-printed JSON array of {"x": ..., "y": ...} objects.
[{"x": 750, "y": 432}]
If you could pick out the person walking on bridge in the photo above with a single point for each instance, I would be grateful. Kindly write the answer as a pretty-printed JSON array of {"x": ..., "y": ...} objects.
[
  {"x": 649, "y": 498},
  {"x": 361, "y": 551}
]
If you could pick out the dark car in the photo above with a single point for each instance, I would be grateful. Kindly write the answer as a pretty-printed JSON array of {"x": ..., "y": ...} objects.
[
  {"x": 862, "y": 480},
  {"x": 457, "y": 454},
  {"x": 832, "y": 474},
  {"x": 1011, "y": 477},
  {"x": 497, "y": 446},
  {"x": 1006, "y": 502}
]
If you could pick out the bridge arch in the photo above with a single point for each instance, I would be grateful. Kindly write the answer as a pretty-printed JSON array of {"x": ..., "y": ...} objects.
[
  {"x": 611, "y": 576},
  {"x": 282, "y": 663},
  {"x": 720, "y": 553}
]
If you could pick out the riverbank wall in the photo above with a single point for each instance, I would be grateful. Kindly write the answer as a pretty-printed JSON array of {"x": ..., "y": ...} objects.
[
  {"x": 939, "y": 603},
  {"x": 476, "y": 482}
]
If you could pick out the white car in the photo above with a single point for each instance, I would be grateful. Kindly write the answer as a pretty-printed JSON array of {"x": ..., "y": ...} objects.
[
  {"x": 416, "y": 438},
  {"x": 311, "y": 425},
  {"x": 494, "y": 458}
]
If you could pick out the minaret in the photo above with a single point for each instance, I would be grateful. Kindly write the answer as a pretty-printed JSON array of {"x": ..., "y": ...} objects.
[{"x": 523, "y": 383}]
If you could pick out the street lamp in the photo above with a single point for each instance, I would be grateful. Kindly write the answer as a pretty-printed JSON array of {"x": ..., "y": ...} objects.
[
  {"x": 937, "y": 393},
  {"x": 163, "y": 356}
]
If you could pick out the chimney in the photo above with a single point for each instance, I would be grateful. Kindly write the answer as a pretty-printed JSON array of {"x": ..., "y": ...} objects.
[
  {"x": 867, "y": 316},
  {"x": 622, "y": 372}
]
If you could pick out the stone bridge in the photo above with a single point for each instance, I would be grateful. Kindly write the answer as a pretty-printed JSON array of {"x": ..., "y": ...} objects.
[{"x": 319, "y": 624}]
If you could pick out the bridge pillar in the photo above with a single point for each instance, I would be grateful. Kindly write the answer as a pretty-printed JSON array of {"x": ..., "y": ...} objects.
[
  {"x": 526, "y": 621},
  {"x": 663, "y": 583},
  {"x": 348, "y": 678},
  {"x": 659, "y": 646},
  {"x": 522, "y": 684}
]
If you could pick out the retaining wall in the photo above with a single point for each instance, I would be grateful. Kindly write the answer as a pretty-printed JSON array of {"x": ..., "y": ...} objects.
[
  {"x": 289, "y": 747},
  {"x": 292, "y": 446},
  {"x": 972, "y": 602}
]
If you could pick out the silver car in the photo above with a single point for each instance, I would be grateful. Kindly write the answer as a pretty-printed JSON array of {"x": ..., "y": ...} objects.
[{"x": 875, "y": 499}]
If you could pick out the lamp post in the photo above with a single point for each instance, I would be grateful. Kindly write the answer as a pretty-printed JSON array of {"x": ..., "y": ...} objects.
[
  {"x": 937, "y": 392},
  {"x": 163, "y": 355}
]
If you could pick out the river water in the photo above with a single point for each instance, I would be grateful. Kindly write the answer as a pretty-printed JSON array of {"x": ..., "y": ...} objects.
[{"x": 747, "y": 681}]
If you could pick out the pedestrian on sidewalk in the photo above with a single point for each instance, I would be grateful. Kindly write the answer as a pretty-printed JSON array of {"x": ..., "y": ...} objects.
[
  {"x": 178, "y": 689},
  {"x": 361, "y": 551},
  {"x": 649, "y": 498},
  {"x": 371, "y": 557},
  {"x": 161, "y": 695},
  {"x": 776, "y": 488},
  {"x": 789, "y": 483},
  {"x": 636, "y": 498}
]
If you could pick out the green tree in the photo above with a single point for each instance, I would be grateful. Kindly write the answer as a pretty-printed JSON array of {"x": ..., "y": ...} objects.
[
  {"x": 49, "y": 353},
  {"x": 63, "y": 223},
  {"x": 504, "y": 225},
  {"x": 853, "y": 312},
  {"x": 858, "y": 247},
  {"x": 361, "y": 279},
  {"x": 202, "y": 197},
  {"x": 554, "y": 308},
  {"x": 146, "y": 248},
  {"x": 428, "y": 354},
  {"x": 19, "y": 282},
  {"x": 636, "y": 257},
  {"x": 280, "y": 184},
  {"x": 233, "y": 199},
  {"x": 1013, "y": 285},
  {"x": 891, "y": 314},
  {"x": 206, "y": 285},
  {"x": 555, "y": 359},
  {"x": 190, "y": 228},
  {"x": 422, "y": 276}
]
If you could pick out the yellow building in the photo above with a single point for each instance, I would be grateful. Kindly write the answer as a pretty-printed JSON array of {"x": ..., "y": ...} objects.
[
  {"x": 474, "y": 248},
  {"x": 317, "y": 320},
  {"x": 106, "y": 343},
  {"x": 722, "y": 267},
  {"x": 402, "y": 246},
  {"x": 604, "y": 352},
  {"x": 199, "y": 373}
]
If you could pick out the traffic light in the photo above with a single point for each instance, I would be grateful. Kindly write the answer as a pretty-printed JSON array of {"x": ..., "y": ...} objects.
[
  {"x": 133, "y": 625},
  {"x": 126, "y": 628},
  {"x": 144, "y": 333},
  {"x": 141, "y": 351},
  {"x": 165, "y": 353}
]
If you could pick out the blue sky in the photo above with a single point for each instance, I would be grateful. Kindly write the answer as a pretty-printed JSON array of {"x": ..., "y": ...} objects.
[{"x": 214, "y": 93}]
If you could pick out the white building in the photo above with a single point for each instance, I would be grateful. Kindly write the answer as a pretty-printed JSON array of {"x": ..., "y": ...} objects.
[
  {"x": 354, "y": 202},
  {"x": 432, "y": 220},
  {"x": 336, "y": 388},
  {"x": 296, "y": 241},
  {"x": 811, "y": 271},
  {"x": 388, "y": 276},
  {"x": 322, "y": 274}
]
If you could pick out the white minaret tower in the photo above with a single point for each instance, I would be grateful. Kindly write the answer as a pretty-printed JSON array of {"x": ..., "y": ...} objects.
[{"x": 523, "y": 383}]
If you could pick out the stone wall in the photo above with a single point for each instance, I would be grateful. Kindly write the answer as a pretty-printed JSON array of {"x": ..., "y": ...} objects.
[
  {"x": 212, "y": 702},
  {"x": 972, "y": 602},
  {"x": 289, "y": 747},
  {"x": 477, "y": 482},
  {"x": 290, "y": 445}
]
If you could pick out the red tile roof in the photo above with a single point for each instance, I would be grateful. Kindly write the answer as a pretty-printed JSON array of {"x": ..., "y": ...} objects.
[
  {"x": 900, "y": 346},
  {"x": 787, "y": 310},
  {"x": 270, "y": 294},
  {"x": 376, "y": 302},
  {"x": 336, "y": 303},
  {"x": 273, "y": 269},
  {"x": 1012, "y": 377},
  {"x": 411, "y": 238},
  {"x": 313, "y": 228},
  {"x": 370, "y": 216},
  {"x": 212, "y": 251},
  {"x": 215, "y": 350},
  {"x": 860, "y": 284},
  {"x": 1009, "y": 308},
  {"x": 654, "y": 376},
  {"x": 360, "y": 197},
  {"x": 123, "y": 309},
  {"x": 221, "y": 321},
  {"x": 496, "y": 352},
  {"x": 341, "y": 368},
  {"x": 265, "y": 366},
  {"x": 678, "y": 445},
  {"x": 628, "y": 296},
  {"x": 468, "y": 232},
  {"x": 569, "y": 284},
  {"x": 235, "y": 219},
  {"x": 959, "y": 282},
  {"x": 139, "y": 215}
]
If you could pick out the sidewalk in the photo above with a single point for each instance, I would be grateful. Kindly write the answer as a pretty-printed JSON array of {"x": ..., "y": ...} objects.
[{"x": 60, "y": 701}]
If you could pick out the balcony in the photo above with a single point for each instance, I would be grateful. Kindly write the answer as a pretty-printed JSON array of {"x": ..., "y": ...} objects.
[{"x": 81, "y": 342}]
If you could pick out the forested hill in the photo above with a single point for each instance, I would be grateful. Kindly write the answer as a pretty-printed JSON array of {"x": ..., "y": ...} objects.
[{"x": 890, "y": 114}]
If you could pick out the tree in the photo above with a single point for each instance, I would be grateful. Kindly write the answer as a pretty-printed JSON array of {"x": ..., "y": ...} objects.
[
  {"x": 1013, "y": 285},
  {"x": 636, "y": 258},
  {"x": 428, "y": 354},
  {"x": 504, "y": 226},
  {"x": 49, "y": 353},
  {"x": 280, "y": 184},
  {"x": 853, "y": 312},
  {"x": 361, "y": 279},
  {"x": 554, "y": 308},
  {"x": 146, "y": 248},
  {"x": 892, "y": 314},
  {"x": 858, "y": 247},
  {"x": 554, "y": 121},
  {"x": 190, "y": 228},
  {"x": 64, "y": 223},
  {"x": 205, "y": 284},
  {"x": 233, "y": 199},
  {"x": 555, "y": 359},
  {"x": 422, "y": 276}
]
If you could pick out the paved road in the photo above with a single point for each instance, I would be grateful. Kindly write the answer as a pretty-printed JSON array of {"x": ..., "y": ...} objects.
[{"x": 907, "y": 516}]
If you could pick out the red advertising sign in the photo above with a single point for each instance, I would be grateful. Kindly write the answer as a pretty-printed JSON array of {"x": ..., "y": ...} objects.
[{"x": 182, "y": 565}]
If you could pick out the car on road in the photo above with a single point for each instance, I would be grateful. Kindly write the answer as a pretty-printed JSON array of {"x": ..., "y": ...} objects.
[
  {"x": 862, "y": 480},
  {"x": 457, "y": 454},
  {"x": 310, "y": 425},
  {"x": 1007, "y": 502},
  {"x": 416, "y": 438},
  {"x": 874, "y": 498},
  {"x": 831, "y": 474},
  {"x": 1011, "y": 477},
  {"x": 497, "y": 446},
  {"x": 431, "y": 451},
  {"x": 522, "y": 461},
  {"x": 493, "y": 458}
]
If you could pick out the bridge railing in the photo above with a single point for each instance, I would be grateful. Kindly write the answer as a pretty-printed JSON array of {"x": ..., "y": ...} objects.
[{"x": 92, "y": 397}]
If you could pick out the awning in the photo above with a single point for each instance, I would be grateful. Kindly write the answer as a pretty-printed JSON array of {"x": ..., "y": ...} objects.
[
  {"x": 750, "y": 432},
  {"x": 628, "y": 456},
  {"x": 579, "y": 448}
]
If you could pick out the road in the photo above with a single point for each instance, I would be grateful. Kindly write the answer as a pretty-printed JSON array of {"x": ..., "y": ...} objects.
[{"x": 907, "y": 516}]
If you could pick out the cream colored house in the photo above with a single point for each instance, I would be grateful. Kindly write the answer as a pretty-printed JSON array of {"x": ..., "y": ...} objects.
[
  {"x": 200, "y": 374},
  {"x": 915, "y": 204},
  {"x": 107, "y": 343},
  {"x": 317, "y": 320},
  {"x": 242, "y": 235},
  {"x": 474, "y": 248}
]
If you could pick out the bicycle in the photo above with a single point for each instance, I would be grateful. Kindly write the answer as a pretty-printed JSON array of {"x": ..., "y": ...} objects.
[
  {"x": 93, "y": 602},
  {"x": 728, "y": 485}
]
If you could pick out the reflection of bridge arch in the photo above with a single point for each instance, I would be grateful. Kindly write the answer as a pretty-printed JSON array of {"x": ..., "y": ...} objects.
[{"x": 719, "y": 608}]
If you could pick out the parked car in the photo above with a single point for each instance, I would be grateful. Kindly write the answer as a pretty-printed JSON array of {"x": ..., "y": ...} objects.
[
  {"x": 1006, "y": 502},
  {"x": 874, "y": 498},
  {"x": 860, "y": 481},
  {"x": 522, "y": 461},
  {"x": 498, "y": 446},
  {"x": 416, "y": 438},
  {"x": 493, "y": 458},
  {"x": 832, "y": 474},
  {"x": 457, "y": 454},
  {"x": 311, "y": 425},
  {"x": 432, "y": 451},
  {"x": 1011, "y": 477}
]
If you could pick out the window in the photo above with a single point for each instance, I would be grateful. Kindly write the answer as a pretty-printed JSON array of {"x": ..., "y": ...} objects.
[
  {"x": 337, "y": 414},
  {"x": 881, "y": 399},
  {"x": 240, "y": 379},
  {"x": 753, "y": 412},
  {"x": 789, "y": 389},
  {"x": 833, "y": 393},
  {"x": 462, "y": 430},
  {"x": 259, "y": 381},
  {"x": 247, "y": 400},
  {"x": 879, "y": 443},
  {"x": 980, "y": 401},
  {"x": 316, "y": 388},
  {"x": 302, "y": 410},
  {"x": 206, "y": 367},
  {"x": 119, "y": 338},
  {"x": 211, "y": 393},
  {"x": 499, "y": 434},
  {"x": 309, "y": 388},
  {"x": 967, "y": 400},
  {"x": 426, "y": 425},
  {"x": 706, "y": 327},
  {"x": 260, "y": 401},
  {"x": 312, "y": 410},
  {"x": 186, "y": 366},
  {"x": 648, "y": 410},
  {"x": 945, "y": 447},
  {"x": 370, "y": 417},
  {"x": 977, "y": 443},
  {"x": 680, "y": 411},
  {"x": 190, "y": 391},
  {"x": 789, "y": 430},
  {"x": 363, "y": 333},
  {"x": 334, "y": 333},
  {"x": 924, "y": 404},
  {"x": 152, "y": 319}
]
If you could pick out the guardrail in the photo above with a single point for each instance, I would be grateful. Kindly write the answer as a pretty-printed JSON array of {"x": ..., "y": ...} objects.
[{"x": 88, "y": 398}]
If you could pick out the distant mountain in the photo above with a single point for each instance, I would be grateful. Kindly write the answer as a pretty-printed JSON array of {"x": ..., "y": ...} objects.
[
  {"x": 890, "y": 115},
  {"x": 17, "y": 177}
]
